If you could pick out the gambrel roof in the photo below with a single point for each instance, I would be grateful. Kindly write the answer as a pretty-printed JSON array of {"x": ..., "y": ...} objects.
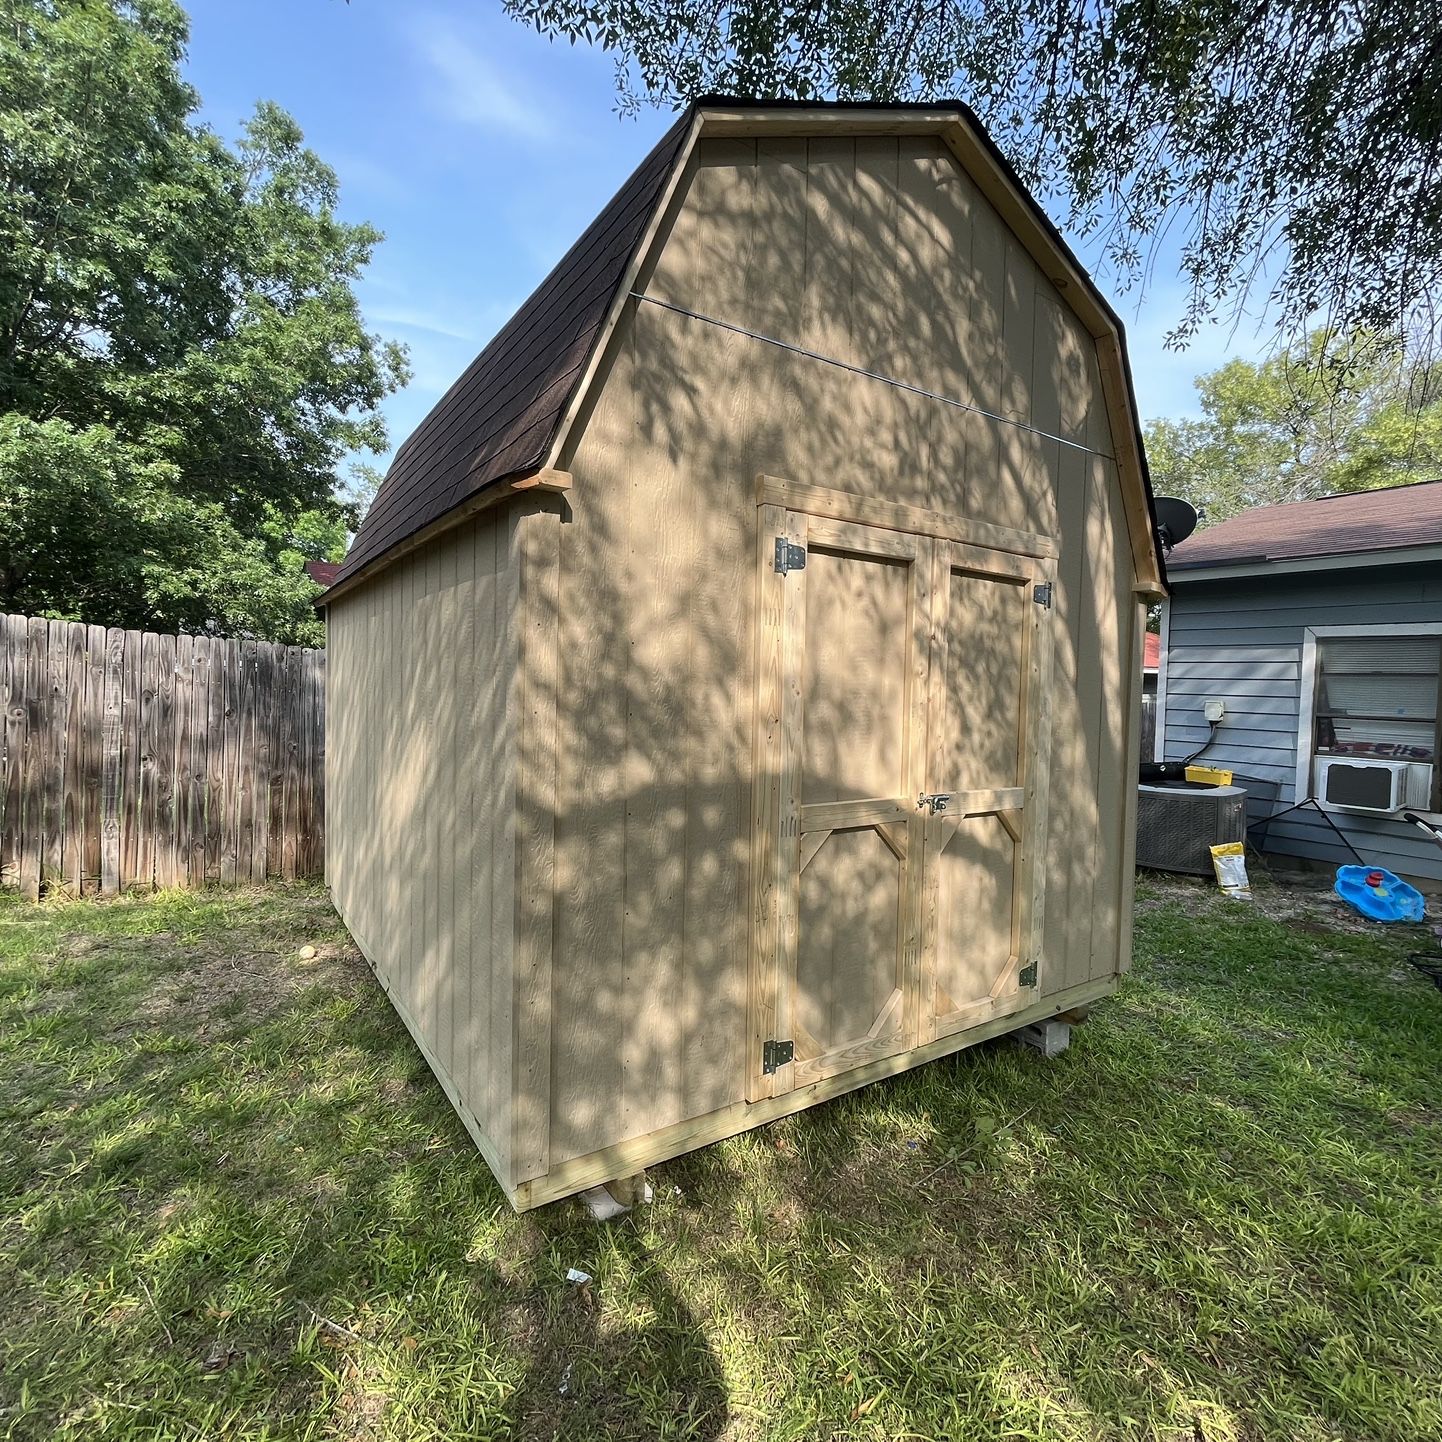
[{"x": 507, "y": 416}]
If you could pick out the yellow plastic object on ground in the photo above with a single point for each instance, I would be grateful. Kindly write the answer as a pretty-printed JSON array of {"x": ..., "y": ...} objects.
[{"x": 1210, "y": 775}]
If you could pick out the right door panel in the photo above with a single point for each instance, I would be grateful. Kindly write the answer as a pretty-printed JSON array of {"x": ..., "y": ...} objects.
[{"x": 985, "y": 798}]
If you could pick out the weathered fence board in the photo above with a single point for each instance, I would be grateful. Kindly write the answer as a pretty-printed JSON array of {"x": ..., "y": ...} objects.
[{"x": 133, "y": 759}]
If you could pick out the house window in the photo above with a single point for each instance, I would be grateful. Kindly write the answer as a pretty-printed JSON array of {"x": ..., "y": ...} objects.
[{"x": 1377, "y": 698}]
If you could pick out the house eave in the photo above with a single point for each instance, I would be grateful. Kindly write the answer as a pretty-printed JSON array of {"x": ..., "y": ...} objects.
[{"x": 1180, "y": 574}]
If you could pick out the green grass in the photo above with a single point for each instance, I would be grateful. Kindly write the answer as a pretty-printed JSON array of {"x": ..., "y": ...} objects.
[{"x": 1218, "y": 1216}]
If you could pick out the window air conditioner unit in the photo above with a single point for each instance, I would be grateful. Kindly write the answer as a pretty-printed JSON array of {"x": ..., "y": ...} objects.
[
  {"x": 1178, "y": 825},
  {"x": 1378, "y": 788}
]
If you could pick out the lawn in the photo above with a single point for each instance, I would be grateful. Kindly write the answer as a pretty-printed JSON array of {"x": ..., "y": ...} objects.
[{"x": 233, "y": 1203}]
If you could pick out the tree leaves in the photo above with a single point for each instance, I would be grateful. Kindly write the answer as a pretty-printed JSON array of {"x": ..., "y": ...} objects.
[
  {"x": 1294, "y": 146},
  {"x": 183, "y": 366},
  {"x": 1329, "y": 414}
]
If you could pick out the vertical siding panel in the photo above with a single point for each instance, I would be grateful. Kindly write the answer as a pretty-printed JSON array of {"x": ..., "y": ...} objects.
[
  {"x": 37, "y": 672},
  {"x": 316, "y": 778},
  {"x": 659, "y": 563},
  {"x": 289, "y": 712},
  {"x": 926, "y": 308},
  {"x": 714, "y": 669},
  {"x": 446, "y": 773},
  {"x": 72, "y": 803},
  {"x": 165, "y": 762},
  {"x": 1017, "y": 500},
  {"x": 1067, "y": 946},
  {"x": 390, "y": 794},
  {"x": 1113, "y": 627},
  {"x": 145, "y": 864},
  {"x": 466, "y": 723},
  {"x": 298, "y": 818},
  {"x": 216, "y": 797},
  {"x": 182, "y": 756},
  {"x": 427, "y": 816},
  {"x": 234, "y": 761},
  {"x": 536, "y": 550},
  {"x": 247, "y": 720},
  {"x": 268, "y": 698},
  {"x": 1135, "y": 610},
  {"x": 94, "y": 725},
  {"x": 57, "y": 656},
  {"x": 12, "y": 719},
  {"x": 111, "y": 762},
  {"x": 131, "y": 746},
  {"x": 200, "y": 650},
  {"x": 591, "y": 1022},
  {"x": 503, "y": 868},
  {"x": 481, "y": 633}
]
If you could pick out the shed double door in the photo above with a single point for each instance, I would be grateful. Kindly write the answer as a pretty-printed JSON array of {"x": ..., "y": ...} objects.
[{"x": 901, "y": 791}]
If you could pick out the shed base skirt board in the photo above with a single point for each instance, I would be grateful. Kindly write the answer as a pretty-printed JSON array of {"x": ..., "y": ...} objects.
[
  {"x": 625, "y": 1158},
  {"x": 674, "y": 1141}
]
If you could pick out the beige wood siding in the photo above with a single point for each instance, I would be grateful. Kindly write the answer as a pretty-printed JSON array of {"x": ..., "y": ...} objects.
[
  {"x": 421, "y": 760},
  {"x": 880, "y": 253}
]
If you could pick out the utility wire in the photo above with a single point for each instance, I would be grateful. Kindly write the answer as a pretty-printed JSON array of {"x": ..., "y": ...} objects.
[{"x": 870, "y": 375}]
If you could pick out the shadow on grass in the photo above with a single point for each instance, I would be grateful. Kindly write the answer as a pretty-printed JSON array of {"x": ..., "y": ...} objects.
[
  {"x": 232, "y": 1210},
  {"x": 234, "y": 1199}
]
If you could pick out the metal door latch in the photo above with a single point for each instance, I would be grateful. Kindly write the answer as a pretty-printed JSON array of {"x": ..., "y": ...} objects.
[{"x": 934, "y": 802}]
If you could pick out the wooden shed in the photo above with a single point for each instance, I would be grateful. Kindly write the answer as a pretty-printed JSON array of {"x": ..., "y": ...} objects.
[{"x": 734, "y": 686}]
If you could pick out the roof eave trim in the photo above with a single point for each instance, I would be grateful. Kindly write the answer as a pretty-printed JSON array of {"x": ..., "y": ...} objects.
[
  {"x": 639, "y": 258},
  {"x": 529, "y": 482},
  {"x": 1183, "y": 574}
]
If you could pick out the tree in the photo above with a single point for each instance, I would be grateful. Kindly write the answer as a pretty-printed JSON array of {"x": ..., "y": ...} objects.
[
  {"x": 183, "y": 366},
  {"x": 1328, "y": 415},
  {"x": 1296, "y": 144}
]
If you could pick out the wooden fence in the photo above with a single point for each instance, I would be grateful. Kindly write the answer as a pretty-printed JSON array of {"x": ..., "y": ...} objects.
[{"x": 131, "y": 759}]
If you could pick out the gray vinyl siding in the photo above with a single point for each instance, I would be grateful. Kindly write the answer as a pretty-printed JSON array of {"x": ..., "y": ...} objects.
[{"x": 1241, "y": 641}]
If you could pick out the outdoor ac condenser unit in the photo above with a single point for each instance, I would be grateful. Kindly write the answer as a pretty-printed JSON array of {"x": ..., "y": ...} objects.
[
  {"x": 1177, "y": 825},
  {"x": 1379, "y": 788}
]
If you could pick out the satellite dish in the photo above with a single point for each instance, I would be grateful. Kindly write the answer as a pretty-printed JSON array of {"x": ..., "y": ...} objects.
[{"x": 1176, "y": 520}]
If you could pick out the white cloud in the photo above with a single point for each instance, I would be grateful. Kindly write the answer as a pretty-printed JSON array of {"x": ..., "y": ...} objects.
[
  {"x": 471, "y": 87},
  {"x": 407, "y": 318}
]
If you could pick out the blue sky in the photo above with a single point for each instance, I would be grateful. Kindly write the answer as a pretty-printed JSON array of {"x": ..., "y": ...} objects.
[{"x": 482, "y": 151}]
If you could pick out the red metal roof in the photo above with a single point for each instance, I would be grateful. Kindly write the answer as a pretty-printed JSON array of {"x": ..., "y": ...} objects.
[
  {"x": 322, "y": 572},
  {"x": 1359, "y": 521},
  {"x": 1151, "y": 651}
]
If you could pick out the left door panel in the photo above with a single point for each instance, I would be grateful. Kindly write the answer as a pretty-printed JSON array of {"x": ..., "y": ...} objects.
[{"x": 849, "y": 648}]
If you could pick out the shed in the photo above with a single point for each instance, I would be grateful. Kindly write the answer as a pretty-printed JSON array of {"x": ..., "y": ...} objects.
[
  {"x": 734, "y": 684},
  {"x": 1318, "y": 626}
]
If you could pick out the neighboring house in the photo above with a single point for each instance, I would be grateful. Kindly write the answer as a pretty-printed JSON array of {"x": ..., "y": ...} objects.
[
  {"x": 323, "y": 573},
  {"x": 1151, "y": 661},
  {"x": 1318, "y": 625}
]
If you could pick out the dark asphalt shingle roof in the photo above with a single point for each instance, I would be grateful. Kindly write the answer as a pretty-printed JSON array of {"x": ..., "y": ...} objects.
[
  {"x": 1358, "y": 521},
  {"x": 499, "y": 419}
]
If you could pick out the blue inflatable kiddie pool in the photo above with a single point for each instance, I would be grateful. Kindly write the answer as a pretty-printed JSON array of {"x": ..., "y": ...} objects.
[{"x": 1379, "y": 894}]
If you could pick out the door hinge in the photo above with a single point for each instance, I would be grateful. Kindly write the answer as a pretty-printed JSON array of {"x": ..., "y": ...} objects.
[
  {"x": 1042, "y": 594},
  {"x": 789, "y": 557},
  {"x": 1027, "y": 975},
  {"x": 775, "y": 1054}
]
